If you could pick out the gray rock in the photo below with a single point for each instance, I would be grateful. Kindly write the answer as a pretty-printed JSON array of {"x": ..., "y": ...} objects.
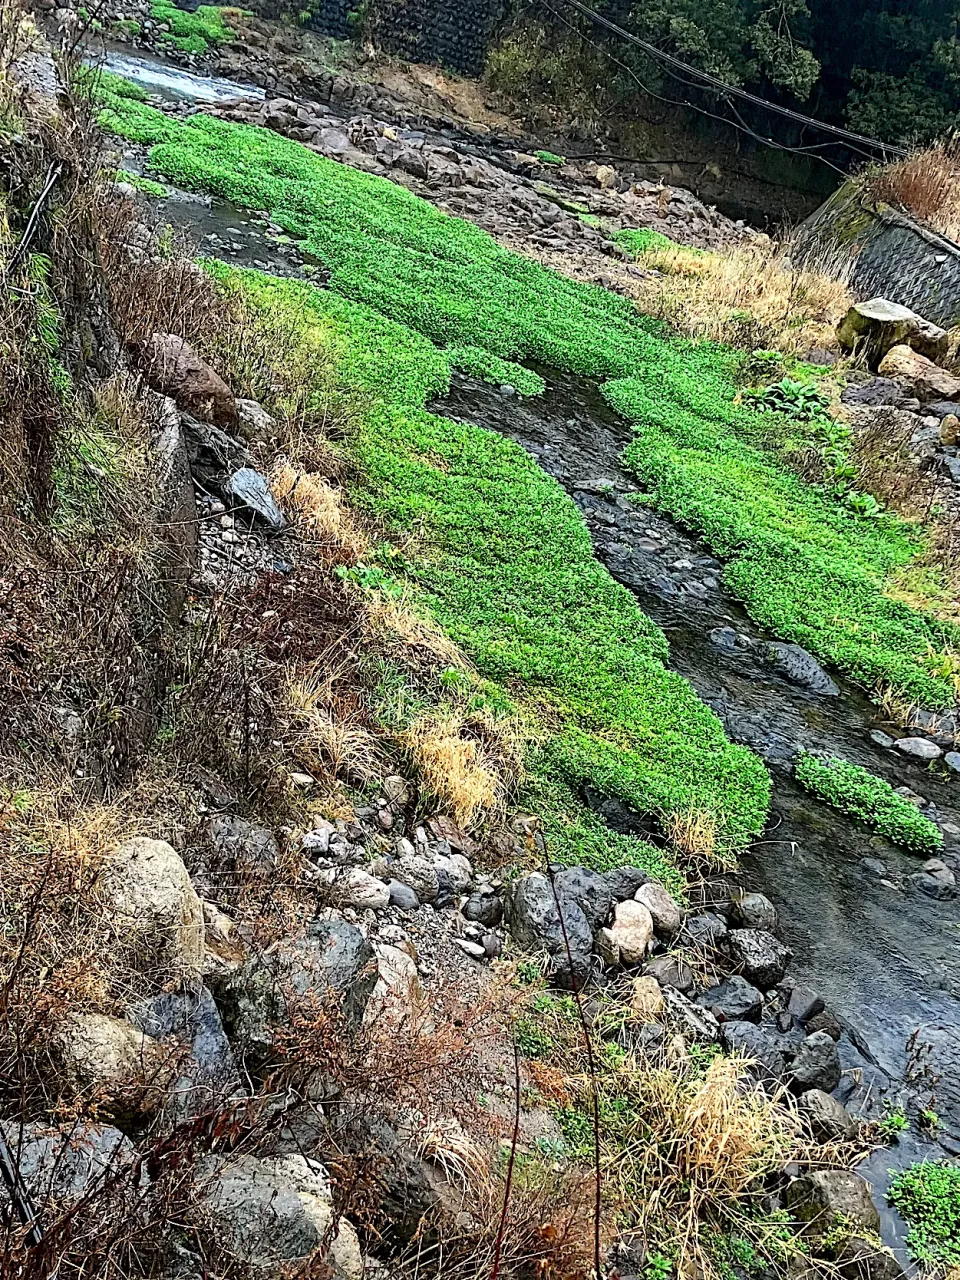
[
  {"x": 412, "y": 162},
  {"x": 704, "y": 931},
  {"x": 882, "y": 739},
  {"x": 333, "y": 958},
  {"x": 733, "y": 1001},
  {"x": 61, "y": 1166},
  {"x": 623, "y": 882},
  {"x": 268, "y": 1211},
  {"x": 241, "y": 848},
  {"x": 762, "y": 958},
  {"x": 952, "y": 761},
  {"x": 820, "y": 1197},
  {"x": 756, "y": 1043},
  {"x": 816, "y": 1064},
  {"x": 863, "y": 1259},
  {"x": 934, "y": 886},
  {"x": 254, "y": 423},
  {"x": 534, "y": 921},
  {"x": 484, "y": 907},
  {"x": 695, "y": 1023},
  {"x": 876, "y": 326},
  {"x": 828, "y": 1119},
  {"x": 247, "y": 492},
  {"x": 754, "y": 911},
  {"x": 419, "y": 874},
  {"x": 799, "y": 667},
  {"x": 402, "y": 896},
  {"x": 665, "y": 912},
  {"x": 670, "y": 971},
  {"x": 804, "y": 1003},
  {"x": 208, "y": 1074},
  {"x": 918, "y": 748},
  {"x": 724, "y": 638},
  {"x": 874, "y": 392},
  {"x": 589, "y": 890}
]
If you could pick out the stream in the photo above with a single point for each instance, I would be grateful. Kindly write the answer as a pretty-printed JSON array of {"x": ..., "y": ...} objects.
[{"x": 884, "y": 957}]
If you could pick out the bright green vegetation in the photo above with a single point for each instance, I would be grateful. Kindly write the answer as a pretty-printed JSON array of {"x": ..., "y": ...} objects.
[
  {"x": 194, "y": 32},
  {"x": 805, "y": 565},
  {"x": 130, "y": 26},
  {"x": 550, "y": 157},
  {"x": 642, "y": 239},
  {"x": 145, "y": 185},
  {"x": 482, "y": 364},
  {"x": 106, "y": 85},
  {"x": 800, "y": 400},
  {"x": 863, "y": 795},
  {"x": 501, "y": 558},
  {"x": 928, "y": 1196},
  {"x": 894, "y": 1123}
]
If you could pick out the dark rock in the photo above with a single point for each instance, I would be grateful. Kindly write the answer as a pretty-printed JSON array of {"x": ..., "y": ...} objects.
[
  {"x": 863, "y": 1259},
  {"x": 212, "y": 454},
  {"x": 534, "y": 921},
  {"x": 724, "y": 637},
  {"x": 623, "y": 882},
  {"x": 875, "y": 392},
  {"x": 754, "y": 911},
  {"x": 758, "y": 1044},
  {"x": 208, "y": 1074},
  {"x": 412, "y": 162},
  {"x": 827, "y": 1022},
  {"x": 799, "y": 667},
  {"x": 932, "y": 886},
  {"x": 816, "y": 1064},
  {"x": 942, "y": 409},
  {"x": 402, "y": 896},
  {"x": 670, "y": 971},
  {"x": 704, "y": 931},
  {"x": 333, "y": 959},
  {"x": 804, "y": 1003},
  {"x": 484, "y": 907},
  {"x": 820, "y": 1197},
  {"x": 492, "y": 945},
  {"x": 61, "y": 1167},
  {"x": 241, "y": 848},
  {"x": 762, "y": 958},
  {"x": 828, "y": 1119},
  {"x": 733, "y": 1001},
  {"x": 247, "y": 492},
  {"x": 589, "y": 890}
]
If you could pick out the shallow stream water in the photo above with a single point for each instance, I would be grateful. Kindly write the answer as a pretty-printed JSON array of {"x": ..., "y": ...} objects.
[{"x": 885, "y": 958}]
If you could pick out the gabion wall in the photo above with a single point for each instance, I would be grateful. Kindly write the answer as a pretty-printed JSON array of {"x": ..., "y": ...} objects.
[{"x": 450, "y": 34}]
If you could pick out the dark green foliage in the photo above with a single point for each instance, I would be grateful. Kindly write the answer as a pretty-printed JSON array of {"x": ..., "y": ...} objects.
[
  {"x": 643, "y": 239},
  {"x": 863, "y": 795},
  {"x": 800, "y": 400},
  {"x": 928, "y": 1196}
]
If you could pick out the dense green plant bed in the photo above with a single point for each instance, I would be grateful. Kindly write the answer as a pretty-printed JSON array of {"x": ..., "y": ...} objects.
[
  {"x": 501, "y": 557},
  {"x": 195, "y": 32},
  {"x": 806, "y": 564},
  {"x": 928, "y": 1196},
  {"x": 865, "y": 796}
]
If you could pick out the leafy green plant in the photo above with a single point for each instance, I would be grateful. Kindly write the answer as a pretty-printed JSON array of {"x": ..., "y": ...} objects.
[
  {"x": 550, "y": 157},
  {"x": 196, "y": 32},
  {"x": 854, "y": 790},
  {"x": 928, "y": 1196},
  {"x": 894, "y": 1122},
  {"x": 761, "y": 367},
  {"x": 490, "y": 368},
  {"x": 643, "y": 240},
  {"x": 801, "y": 400}
]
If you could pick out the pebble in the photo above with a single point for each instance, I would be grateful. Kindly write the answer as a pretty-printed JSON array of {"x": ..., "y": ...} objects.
[
  {"x": 472, "y": 949},
  {"x": 882, "y": 739},
  {"x": 952, "y": 761}
]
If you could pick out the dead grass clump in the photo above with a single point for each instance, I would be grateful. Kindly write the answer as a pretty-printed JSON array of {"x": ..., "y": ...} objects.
[
  {"x": 694, "y": 833},
  {"x": 750, "y": 296},
  {"x": 392, "y": 621},
  {"x": 332, "y": 732},
  {"x": 925, "y": 184},
  {"x": 323, "y": 512}
]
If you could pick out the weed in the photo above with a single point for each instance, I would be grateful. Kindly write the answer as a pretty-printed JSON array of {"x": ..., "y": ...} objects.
[
  {"x": 928, "y": 1196},
  {"x": 550, "y": 157},
  {"x": 854, "y": 790},
  {"x": 195, "y": 32},
  {"x": 894, "y": 1122}
]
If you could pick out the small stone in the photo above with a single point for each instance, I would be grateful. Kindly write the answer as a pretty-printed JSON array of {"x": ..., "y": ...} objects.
[
  {"x": 804, "y": 1003},
  {"x": 733, "y": 1001},
  {"x": 949, "y": 429},
  {"x": 665, "y": 912},
  {"x": 762, "y": 958},
  {"x": 623, "y": 882},
  {"x": 402, "y": 896},
  {"x": 821, "y": 1196},
  {"x": 828, "y": 1119},
  {"x": 484, "y": 907},
  {"x": 919, "y": 748},
  {"x": 357, "y": 888},
  {"x": 952, "y": 761},
  {"x": 755, "y": 911},
  {"x": 646, "y": 1000},
  {"x": 633, "y": 931},
  {"x": 882, "y": 739},
  {"x": 301, "y": 780},
  {"x": 705, "y": 931},
  {"x": 827, "y": 1022},
  {"x": 492, "y": 945},
  {"x": 816, "y": 1065},
  {"x": 607, "y": 948},
  {"x": 473, "y": 949}
]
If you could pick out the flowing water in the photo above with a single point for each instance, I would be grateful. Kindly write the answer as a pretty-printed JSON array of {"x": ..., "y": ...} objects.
[{"x": 885, "y": 958}]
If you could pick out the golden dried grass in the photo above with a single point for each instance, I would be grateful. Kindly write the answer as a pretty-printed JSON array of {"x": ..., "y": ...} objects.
[
  {"x": 926, "y": 184},
  {"x": 322, "y": 510}
]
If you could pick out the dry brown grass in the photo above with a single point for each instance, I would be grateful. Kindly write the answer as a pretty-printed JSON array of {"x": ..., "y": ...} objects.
[
  {"x": 323, "y": 513},
  {"x": 694, "y": 833},
  {"x": 749, "y": 296},
  {"x": 454, "y": 766},
  {"x": 926, "y": 184}
]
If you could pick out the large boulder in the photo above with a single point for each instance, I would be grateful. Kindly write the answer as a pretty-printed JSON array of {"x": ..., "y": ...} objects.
[
  {"x": 589, "y": 890},
  {"x": 268, "y": 1212},
  {"x": 822, "y": 1196},
  {"x": 172, "y": 367},
  {"x": 333, "y": 959},
  {"x": 241, "y": 848},
  {"x": 926, "y": 380},
  {"x": 107, "y": 1064},
  {"x": 758, "y": 1045},
  {"x": 873, "y": 327},
  {"x": 535, "y": 923},
  {"x": 58, "y": 1167},
  {"x": 155, "y": 909},
  {"x": 816, "y": 1064},
  {"x": 761, "y": 957},
  {"x": 188, "y": 1026},
  {"x": 799, "y": 667}
]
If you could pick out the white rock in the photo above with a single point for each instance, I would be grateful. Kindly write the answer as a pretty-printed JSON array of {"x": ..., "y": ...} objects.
[
  {"x": 632, "y": 930},
  {"x": 472, "y": 949},
  {"x": 254, "y": 421},
  {"x": 357, "y": 888},
  {"x": 106, "y": 1062},
  {"x": 607, "y": 948},
  {"x": 919, "y": 748},
  {"x": 156, "y": 909},
  {"x": 665, "y": 912}
]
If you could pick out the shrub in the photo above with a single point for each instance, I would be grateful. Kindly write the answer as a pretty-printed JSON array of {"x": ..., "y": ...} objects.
[
  {"x": 863, "y": 795},
  {"x": 928, "y": 1196}
]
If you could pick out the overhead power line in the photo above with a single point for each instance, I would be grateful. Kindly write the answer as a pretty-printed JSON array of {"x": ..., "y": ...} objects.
[{"x": 680, "y": 70}]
